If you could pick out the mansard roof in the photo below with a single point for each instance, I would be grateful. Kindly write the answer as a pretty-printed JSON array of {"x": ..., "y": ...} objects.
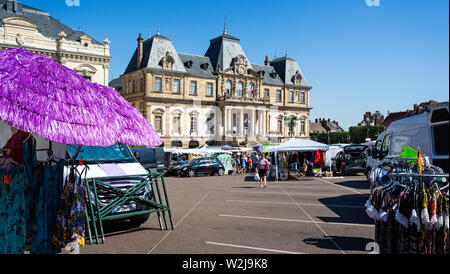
[
  {"x": 288, "y": 68},
  {"x": 222, "y": 50}
]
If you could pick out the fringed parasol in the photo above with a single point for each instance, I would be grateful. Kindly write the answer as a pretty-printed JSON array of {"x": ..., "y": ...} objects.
[{"x": 40, "y": 96}]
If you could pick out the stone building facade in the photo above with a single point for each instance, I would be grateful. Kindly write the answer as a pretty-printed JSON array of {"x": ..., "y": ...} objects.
[
  {"x": 22, "y": 26},
  {"x": 219, "y": 98}
]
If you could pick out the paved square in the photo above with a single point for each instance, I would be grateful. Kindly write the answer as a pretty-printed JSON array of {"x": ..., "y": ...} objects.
[{"x": 232, "y": 215}]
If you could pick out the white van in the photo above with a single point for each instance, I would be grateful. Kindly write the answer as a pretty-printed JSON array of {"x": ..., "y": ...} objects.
[
  {"x": 429, "y": 131},
  {"x": 114, "y": 161}
]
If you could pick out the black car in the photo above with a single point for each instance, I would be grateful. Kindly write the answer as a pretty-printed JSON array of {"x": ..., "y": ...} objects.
[
  {"x": 351, "y": 160},
  {"x": 208, "y": 165},
  {"x": 152, "y": 159}
]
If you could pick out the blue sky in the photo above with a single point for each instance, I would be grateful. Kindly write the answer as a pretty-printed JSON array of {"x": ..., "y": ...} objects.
[{"x": 357, "y": 58}]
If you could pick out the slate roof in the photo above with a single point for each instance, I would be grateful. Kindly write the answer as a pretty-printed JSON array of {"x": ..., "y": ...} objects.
[
  {"x": 287, "y": 68},
  {"x": 223, "y": 49},
  {"x": 221, "y": 52},
  {"x": 115, "y": 83},
  {"x": 201, "y": 65},
  {"x": 47, "y": 25},
  {"x": 270, "y": 75},
  {"x": 155, "y": 49}
]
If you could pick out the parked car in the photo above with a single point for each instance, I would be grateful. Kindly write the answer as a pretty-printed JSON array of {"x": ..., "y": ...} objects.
[
  {"x": 351, "y": 160},
  {"x": 429, "y": 131},
  {"x": 153, "y": 159},
  {"x": 207, "y": 165},
  {"x": 114, "y": 161},
  {"x": 372, "y": 159}
]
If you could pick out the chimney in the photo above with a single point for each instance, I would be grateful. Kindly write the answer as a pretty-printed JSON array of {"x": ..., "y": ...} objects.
[
  {"x": 317, "y": 121},
  {"x": 267, "y": 61},
  {"x": 140, "y": 50}
]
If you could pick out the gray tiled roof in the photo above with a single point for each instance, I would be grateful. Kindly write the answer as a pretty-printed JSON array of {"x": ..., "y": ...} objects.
[
  {"x": 47, "y": 25},
  {"x": 115, "y": 83},
  {"x": 269, "y": 76},
  {"x": 201, "y": 65},
  {"x": 287, "y": 68},
  {"x": 154, "y": 50},
  {"x": 223, "y": 49}
]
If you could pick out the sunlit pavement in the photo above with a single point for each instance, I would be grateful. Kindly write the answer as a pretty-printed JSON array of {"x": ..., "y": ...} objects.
[{"x": 232, "y": 215}]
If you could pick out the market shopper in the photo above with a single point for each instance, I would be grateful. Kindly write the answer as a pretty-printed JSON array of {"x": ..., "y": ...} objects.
[{"x": 262, "y": 168}]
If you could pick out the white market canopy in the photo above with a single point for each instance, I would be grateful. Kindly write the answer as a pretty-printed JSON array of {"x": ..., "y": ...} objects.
[{"x": 299, "y": 145}]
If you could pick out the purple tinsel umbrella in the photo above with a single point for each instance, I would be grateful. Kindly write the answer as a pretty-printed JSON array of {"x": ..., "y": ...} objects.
[{"x": 40, "y": 96}]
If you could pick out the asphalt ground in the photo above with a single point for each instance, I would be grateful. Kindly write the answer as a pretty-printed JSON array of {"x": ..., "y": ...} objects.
[{"x": 232, "y": 215}]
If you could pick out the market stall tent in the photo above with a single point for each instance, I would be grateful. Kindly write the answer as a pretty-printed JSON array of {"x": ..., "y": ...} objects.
[{"x": 296, "y": 145}]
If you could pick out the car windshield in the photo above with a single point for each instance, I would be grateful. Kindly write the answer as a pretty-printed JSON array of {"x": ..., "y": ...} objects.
[
  {"x": 194, "y": 161},
  {"x": 354, "y": 156},
  {"x": 118, "y": 153},
  {"x": 359, "y": 148}
]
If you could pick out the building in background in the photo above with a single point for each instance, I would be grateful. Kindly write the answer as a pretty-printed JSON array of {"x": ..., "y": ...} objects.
[
  {"x": 218, "y": 98},
  {"x": 372, "y": 119},
  {"x": 325, "y": 125},
  {"x": 417, "y": 109},
  {"x": 22, "y": 26}
]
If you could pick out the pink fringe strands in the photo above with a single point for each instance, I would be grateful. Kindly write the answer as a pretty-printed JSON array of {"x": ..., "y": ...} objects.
[{"x": 40, "y": 96}]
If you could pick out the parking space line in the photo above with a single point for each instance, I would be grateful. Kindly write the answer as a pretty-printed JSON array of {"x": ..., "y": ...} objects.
[
  {"x": 279, "y": 203},
  {"x": 189, "y": 212},
  {"x": 309, "y": 216},
  {"x": 344, "y": 187},
  {"x": 293, "y": 220},
  {"x": 254, "y": 248},
  {"x": 282, "y": 193}
]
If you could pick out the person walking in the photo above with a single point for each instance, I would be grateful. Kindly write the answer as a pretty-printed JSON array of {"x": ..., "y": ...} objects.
[{"x": 262, "y": 167}]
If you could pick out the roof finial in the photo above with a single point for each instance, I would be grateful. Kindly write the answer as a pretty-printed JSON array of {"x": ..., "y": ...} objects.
[
  {"x": 158, "y": 33},
  {"x": 286, "y": 52},
  {"x": 275, "y": 54},
  {"x": 225, "y": 26},
  {"x": 149, "y": 34}
]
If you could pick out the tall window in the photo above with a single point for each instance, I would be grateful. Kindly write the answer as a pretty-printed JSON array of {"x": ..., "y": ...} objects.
[
  {"x": 234, "y": 123},
  {"x": 158, "y": 81},
  {"x": 193, "y": 124},
  {"x": 266, "y": 93},
  {"x": 134, "y": 86},
  {"x": 228, "y": 87},
  {"x": 127, "y": 85},
  {"x": 302, "y": 97},
  {"x": 291, "y": 96},
  {"x": 278, "y": 95},
  {"x": 302, "y": 127},
  {"x": 142, "y": 85},
  {"x": 209, "y": 89},
  {"x": 280, "y": 126},
  {"x": 251, "y": 90},
  {"x": 210, "y": 122},
  {"x": 177, "y": 124},
  {"x": 193, "y": 90},
  {"x": 158, "y": 123},
  {"x": 239, "y": 89},
  {"x": 176, "y": 86}
]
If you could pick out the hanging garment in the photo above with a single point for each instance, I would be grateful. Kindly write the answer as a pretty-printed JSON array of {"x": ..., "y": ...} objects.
[
  {"x": 46, "y": 212},
  {"x": 71, "y": 219},
  {"x": 12, "y": 210}
]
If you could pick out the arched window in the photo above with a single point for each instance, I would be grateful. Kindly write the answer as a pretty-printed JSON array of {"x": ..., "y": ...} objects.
[
  {"x": 251, "y": 90},
  {"x": 228, "y": 87},
  {"x": 239, "y": 88}
]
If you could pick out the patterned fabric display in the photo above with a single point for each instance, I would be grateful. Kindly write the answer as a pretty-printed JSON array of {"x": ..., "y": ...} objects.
[{"x": 71, "y": 219}]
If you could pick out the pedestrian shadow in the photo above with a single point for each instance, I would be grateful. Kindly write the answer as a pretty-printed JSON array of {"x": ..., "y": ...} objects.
[
  {"x": 349, "y": 209},
  {"x": 344, "y": 243}
]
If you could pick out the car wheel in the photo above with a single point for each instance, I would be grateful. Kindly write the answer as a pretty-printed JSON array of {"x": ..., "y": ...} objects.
[
  {"x": 342, "y": 172},
  {"x": 191, "y": 173},
  {"x": 221, "y": 172}
]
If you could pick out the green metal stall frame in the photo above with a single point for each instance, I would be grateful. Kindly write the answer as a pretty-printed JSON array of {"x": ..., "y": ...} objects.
[{"x": 96, "y": 215}]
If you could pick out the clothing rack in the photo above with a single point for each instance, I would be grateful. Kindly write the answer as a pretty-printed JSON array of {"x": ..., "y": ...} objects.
[{"x": 418, "y": 175}]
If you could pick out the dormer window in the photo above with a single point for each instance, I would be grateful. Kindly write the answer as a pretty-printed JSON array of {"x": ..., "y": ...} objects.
[
  {"x": 167, "y": 61},
  {"x": 204, "y": 66},
  {"x": 273, "y": 74},
  {"x": 188, "y": 64}
]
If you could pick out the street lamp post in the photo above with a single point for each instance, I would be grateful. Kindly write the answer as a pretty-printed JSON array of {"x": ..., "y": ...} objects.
[{"x": 291, "y": 123}]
